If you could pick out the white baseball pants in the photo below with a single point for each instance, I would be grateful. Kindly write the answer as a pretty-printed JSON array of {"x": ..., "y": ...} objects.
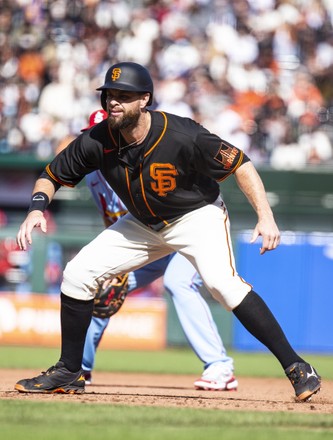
[{"x": 202, "y": 236}]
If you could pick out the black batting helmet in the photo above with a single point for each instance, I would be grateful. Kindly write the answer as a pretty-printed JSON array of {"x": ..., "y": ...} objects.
[{"x": 127, "y": 76}]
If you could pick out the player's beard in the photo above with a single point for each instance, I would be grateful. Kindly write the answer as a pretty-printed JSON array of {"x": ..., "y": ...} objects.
[{"x": 127, "y": 120}]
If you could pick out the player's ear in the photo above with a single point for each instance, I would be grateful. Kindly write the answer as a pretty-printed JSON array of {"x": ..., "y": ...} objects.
[{"x": 144, "y": 100}]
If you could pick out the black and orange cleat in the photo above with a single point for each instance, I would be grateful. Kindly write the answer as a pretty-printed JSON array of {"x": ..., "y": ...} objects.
[
  {"x": 305, "y": 380},
  {"x": 56, "y": 379}
]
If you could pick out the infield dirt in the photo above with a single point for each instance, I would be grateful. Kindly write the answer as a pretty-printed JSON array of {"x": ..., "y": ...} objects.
[{"x": 253, "y": 394}]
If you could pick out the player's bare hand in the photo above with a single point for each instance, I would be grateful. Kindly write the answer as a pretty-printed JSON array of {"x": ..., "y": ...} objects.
[
  {"x": 35, "y": 219},
  {"x": 269, "y": 232}
]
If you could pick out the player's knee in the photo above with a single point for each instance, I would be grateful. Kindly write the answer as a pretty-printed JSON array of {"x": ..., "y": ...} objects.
[
  {"x": 75, "y": 284},
  {"x": 230, "y": 296}
]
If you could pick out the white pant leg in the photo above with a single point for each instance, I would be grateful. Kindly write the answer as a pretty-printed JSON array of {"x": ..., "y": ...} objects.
[
  {"x": 183, "y": 283},
  {"x": 203, "y": 236},
  {"x": 123, "y": 247}
]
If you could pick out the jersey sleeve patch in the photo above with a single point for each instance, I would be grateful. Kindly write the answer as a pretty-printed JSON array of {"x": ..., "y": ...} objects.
[{"x": 226, "y": 155}]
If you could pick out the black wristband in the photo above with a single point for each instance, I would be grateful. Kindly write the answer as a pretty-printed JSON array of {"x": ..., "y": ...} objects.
[{"x": 39, "y": 202}]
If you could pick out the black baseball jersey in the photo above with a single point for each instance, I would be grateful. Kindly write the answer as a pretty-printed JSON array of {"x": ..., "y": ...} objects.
[{"x": 175, "y": 170}]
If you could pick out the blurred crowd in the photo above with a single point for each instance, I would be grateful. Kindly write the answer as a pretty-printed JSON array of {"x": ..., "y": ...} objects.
[{"x": 256, "y": 72}]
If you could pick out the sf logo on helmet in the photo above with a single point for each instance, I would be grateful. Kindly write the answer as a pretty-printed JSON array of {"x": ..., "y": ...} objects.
[
  {"x": 116, "y": 73},
  {"x": 164, "y": 180}
]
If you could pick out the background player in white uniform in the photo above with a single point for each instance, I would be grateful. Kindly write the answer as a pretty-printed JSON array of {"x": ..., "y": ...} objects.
[{"x": 182, "y": 282}]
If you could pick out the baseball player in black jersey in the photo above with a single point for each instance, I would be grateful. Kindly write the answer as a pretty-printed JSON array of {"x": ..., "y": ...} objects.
[{"x": 167, "y": 170}]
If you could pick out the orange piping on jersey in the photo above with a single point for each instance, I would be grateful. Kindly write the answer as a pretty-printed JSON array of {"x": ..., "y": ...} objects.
[
  {"x": 53, "y": 177},
  {"x": 145, "y": 199},
  {"x": 129, "y": 190},
  {"x": 110, "y": 132},
  {"x": 240, "y": 160},
  {"x": 162, "y": 134}
]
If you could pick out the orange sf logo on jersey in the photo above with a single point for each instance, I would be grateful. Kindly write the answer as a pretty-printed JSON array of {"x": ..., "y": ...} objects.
[
  {"x": 164, "y": 178},
  {"x": 116, "y": 73}
]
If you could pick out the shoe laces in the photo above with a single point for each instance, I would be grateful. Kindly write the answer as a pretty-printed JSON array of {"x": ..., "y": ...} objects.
[
  {"x": 296, "y": 374},
  {"x": 54, "y": 367},
  {"x": 49, "y": 370}
]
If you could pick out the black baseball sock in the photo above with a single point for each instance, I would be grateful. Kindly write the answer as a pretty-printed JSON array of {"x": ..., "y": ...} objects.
[
  {"x": 256, "y": 317},
  {"x": 75, "y": 319}
]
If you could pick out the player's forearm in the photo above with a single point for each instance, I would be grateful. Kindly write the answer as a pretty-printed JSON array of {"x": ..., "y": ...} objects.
[
  {"x": 252, "y": 186},
  {"x": 42, "y": 195},
  {"x": 45, "y": 186}
]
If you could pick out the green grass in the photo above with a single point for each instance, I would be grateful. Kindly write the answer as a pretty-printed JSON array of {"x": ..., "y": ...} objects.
[
  {"x": 55, "y": 420},
  {"x": 172, "y": 360},
  {"x": 25, "y": 419}
]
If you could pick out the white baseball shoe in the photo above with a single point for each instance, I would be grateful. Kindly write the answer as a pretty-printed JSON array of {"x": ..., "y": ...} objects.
[{"x": 217, "y": 377}]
